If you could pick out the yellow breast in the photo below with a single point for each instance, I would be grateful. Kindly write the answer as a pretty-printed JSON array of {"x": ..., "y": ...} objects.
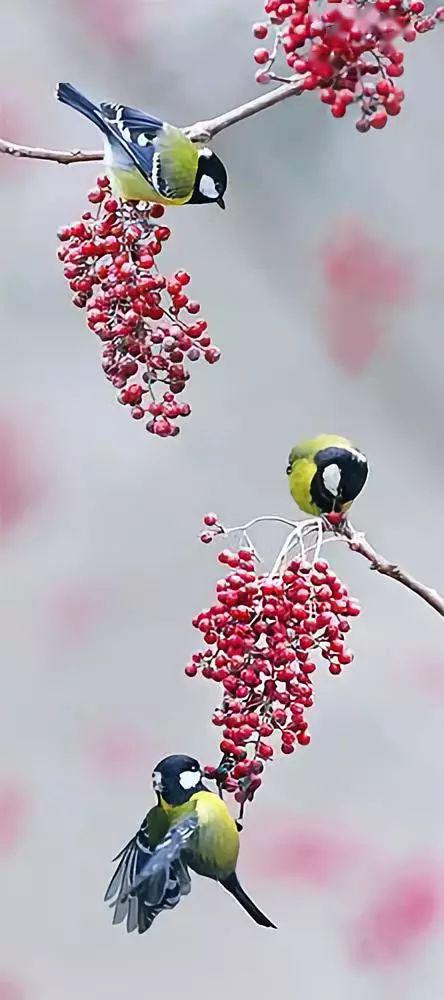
[
  {"x": 131, "y": 185},
  {"x": 218, "y": 837},
  {"x": 215, "y": 848},
  {"x": 300, "y": 481}
]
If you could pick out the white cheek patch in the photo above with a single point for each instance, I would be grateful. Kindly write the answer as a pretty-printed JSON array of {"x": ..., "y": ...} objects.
[
  {"x": 206, "y": 152},
  {"x": 189, "y": 779},
  {"x": 332, "y": 477},
  {"x": 208, "y": 188}
]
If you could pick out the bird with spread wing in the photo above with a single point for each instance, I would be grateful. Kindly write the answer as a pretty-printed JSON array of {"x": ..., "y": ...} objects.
[{"x": 189, "y": 828}]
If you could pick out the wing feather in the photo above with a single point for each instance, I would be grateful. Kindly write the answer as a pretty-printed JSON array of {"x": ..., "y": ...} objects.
[
  {"x": 131, "y": 118},
  {"x": 169, "y": 851},
  {"x": 162, "y": 152},
  {"x": 151, "y": 876}
]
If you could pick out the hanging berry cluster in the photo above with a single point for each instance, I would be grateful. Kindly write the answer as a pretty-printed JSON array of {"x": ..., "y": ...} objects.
[
  {"x": 348, "y": 50},
  {"x": 264, "y": 637},
  {"x": 110, "y": 262}
]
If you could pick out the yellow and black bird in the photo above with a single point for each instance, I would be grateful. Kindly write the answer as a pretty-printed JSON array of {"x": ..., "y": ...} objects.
[
  {"x": 190, "y": 827},
  {"x": 325, "y": 474},
  {"x": 147, "y": 159}
]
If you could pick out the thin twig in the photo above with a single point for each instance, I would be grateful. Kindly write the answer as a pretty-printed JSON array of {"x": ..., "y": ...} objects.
[
  {"x": 357, "y": 541},
  {"x": 275, "y": 518},
  {"x": 199, "y": 132},
  {"x": 204, "y": 131},
  {"x": 57, "y": 155}
]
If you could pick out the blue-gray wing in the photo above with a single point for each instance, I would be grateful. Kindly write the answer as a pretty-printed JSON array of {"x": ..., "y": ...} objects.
[
  {"x": 162, "y": 152},
  {"x": 136, "y": 131},
  {"x": 132, "y": 119},
  {"x": 149, "y": 879},
  {"x": 157, "y": 867}
]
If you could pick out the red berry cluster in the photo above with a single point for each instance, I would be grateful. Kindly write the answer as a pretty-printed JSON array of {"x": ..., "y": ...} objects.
[
  {"x": 110, "y": 262},
  {"x": 263, "y": 638},
  {"x": 347, "y": 49}
]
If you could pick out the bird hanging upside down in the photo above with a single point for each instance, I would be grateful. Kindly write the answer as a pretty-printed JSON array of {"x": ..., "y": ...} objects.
[
  {"x": 147, "y": 159},
  {"x": 190, "y": 827},
  {"x": 325, "y": 474}
]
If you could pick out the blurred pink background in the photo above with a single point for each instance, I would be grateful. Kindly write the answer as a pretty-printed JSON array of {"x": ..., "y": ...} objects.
[{"x": 101, "y": 567}]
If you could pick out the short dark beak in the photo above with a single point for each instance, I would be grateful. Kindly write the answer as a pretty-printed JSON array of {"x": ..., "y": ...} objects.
[{"x": 220, "y": 202}]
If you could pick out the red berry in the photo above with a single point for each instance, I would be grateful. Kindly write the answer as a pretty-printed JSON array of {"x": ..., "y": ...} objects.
[
  {"x": 303, "y": 739},
  {"x": 260, "y": 30},
  {"x": 378, "y": 119},
  {"x": 156, "y": 211},
  {"x": 210, "y": 520}
]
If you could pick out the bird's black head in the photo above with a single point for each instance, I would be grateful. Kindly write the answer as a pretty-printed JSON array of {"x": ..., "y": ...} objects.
[
  {"x": 340, "y": 475},
  {"x": 177, "y": 778},
  {"x": 211, "y": 180}
]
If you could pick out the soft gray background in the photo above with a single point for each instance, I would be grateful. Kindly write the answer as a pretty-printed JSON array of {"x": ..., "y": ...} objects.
[{"x": 101, "y": 567}]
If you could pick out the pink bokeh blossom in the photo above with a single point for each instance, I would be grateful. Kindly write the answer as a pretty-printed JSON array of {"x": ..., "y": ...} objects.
[
  {"x": 118, "y": 752},
  {"x": 13, "y": 814},
  {"x": 20, "y": 483},
  {"x": 10, "y": 989},
  {"x": 314, "y": 854},
  {"x": 365, "y": 280},
  {"x": 406, "y": 910},
  {"x": 75, "y": 607},
  {"x": 115, "y": 24}
]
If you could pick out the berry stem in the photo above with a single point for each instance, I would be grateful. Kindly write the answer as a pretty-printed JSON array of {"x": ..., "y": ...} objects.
[
  {"x": 296, "y": 538},
  {"x": 258, "y": 520},
  {"x": 356, "y": 541}
]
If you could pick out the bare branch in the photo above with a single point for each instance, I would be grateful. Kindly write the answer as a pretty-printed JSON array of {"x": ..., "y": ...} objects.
[
  {"x": 199, "y": 132},
  {"x": 357, "y": 541},
  {"x": 204, "y": 131},
  {"x": 57, "y": 155}
]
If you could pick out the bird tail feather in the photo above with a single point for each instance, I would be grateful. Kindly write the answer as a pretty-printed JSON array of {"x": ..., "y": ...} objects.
[
  {"x": 68, "y": 94},
  {"x": 233, "y": 886}
]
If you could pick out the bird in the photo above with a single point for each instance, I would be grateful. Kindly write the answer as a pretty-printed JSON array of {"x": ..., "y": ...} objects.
[
  {"x": 147, "y": 159},
  {"x": 326, "y": 474},
  {"x": 190, "y": 827}
]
